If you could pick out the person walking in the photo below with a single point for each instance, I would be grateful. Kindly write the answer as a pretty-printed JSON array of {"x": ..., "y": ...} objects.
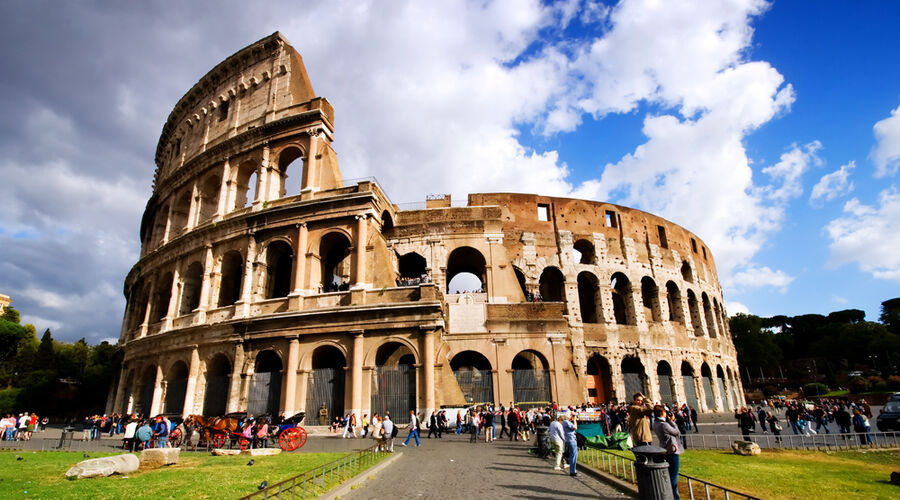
[
  {"x": 488, "y": 426},
  {"x": 744, "y": 422},
  {"x": 670, "y": 438},
  {"x": 413, "y": 429},
  {"x": 775, "y": 426},
  {"x": 390, "y": 431},
  {"x": 473, "y": 426},
  {"x": 569, "y": 427},
  {"x": 433, "y": 426},
  {"x": 694, "y": 419}
]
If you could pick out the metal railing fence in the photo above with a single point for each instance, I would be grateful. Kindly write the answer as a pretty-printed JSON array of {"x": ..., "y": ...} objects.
[
  {"x": 789, "y": 441},
  {"x": 322, "y": 478},
  {"x": 623, "y": 468}
]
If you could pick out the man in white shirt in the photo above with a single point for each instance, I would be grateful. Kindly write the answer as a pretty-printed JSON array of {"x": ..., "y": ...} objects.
[
  {"x": 130, "y": 428},
  {"x": 388, "y": 438},
  {"x": 413, "y": 428},
  {"x": 557, "y": 441}
]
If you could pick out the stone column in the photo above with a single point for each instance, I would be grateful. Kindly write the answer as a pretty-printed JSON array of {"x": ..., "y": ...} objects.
[
  {"x": 428, "y": 368},
  {"x": 172, "y": 312},
  {"x": 242, "y": 307},
  {"x": 290, "y": 382},
  {"x": 148, "y": 310},
  {"x": 300, "y": 257},
  {"x": 618, "y": 380},
  {"x": 129, "y": 404},
  {"x": 356, "y": 378},
  {"x": 309, "y": 181},
  {"x": 359, "y": 254},
  {"x": 194, "y": 210},
  {"x": 301, "y": 398},
  {"x": 234, "y": 387},
  {"x": 168, "y": 229},
  {"x": 262, "y": 179},
  {"x": 224, "y": 190},
  {"x": 157, "y": 392},
  {"x": 191, "y": 392},
  {"x": 206, "y": 285},
  {"x": 120, "y": 391}
]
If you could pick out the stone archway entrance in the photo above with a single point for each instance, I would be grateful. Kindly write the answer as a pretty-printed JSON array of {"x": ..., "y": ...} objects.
[
  {"x": 531, "y": 378},
  {"x": 394, "y": 382},
  {"x": 599, "y": 380},
  {"x": 473, "y": 374},
  {"x": 326, "y": 383},
  {"x": 218, "y": 376},
  {"x": 265, "y": 387}
]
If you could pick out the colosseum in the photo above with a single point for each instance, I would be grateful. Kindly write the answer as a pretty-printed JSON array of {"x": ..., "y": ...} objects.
[{"x": 267, "y": 283}]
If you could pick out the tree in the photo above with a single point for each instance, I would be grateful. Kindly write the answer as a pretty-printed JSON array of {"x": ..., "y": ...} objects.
[
  {"x": 10, "y": 314},
  {"x": 45, "y": 350},
  {"x": 890, "y": 315},
  {"x": 755, "y": 346}
]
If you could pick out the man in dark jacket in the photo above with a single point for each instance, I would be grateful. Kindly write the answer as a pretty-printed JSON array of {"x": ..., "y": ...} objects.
[{"x": 745, "y": 422}]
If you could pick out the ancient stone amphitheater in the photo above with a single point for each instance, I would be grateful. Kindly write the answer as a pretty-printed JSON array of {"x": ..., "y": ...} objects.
[{"x": 269, "y": 284}]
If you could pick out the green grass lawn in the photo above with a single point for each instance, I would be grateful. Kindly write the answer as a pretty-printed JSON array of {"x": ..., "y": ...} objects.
[
  {"x": 42, "y": 475},
  {"x": 788, "y": 474}
]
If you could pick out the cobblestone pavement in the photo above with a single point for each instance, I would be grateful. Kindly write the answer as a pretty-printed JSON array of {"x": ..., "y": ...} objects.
[{"x": 454, "y": 468}]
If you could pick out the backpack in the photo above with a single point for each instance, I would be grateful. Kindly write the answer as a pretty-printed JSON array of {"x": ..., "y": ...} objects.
[{"x": 394, "y": 431}]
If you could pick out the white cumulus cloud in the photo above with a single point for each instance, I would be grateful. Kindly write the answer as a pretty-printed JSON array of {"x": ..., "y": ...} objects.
[
  {"x": 761, "y": 276},
  {"x": 869, "y": 235},
  {"x": 734, "y": 308},
  {"x": 886, "y": 153},
  {"x": 832, "y": 185}
]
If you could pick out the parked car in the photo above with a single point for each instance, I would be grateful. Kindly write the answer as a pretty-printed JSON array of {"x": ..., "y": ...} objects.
[
  {"x": 889, "y": 418},
  {"x": 894, "y": 397}
]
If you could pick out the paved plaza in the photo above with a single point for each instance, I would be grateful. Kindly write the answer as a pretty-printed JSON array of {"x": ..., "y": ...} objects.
[{"x": 454, "y": 468}]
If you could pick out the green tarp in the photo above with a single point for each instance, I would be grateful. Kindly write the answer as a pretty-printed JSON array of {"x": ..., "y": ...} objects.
[{"x": 617, "y": 441}]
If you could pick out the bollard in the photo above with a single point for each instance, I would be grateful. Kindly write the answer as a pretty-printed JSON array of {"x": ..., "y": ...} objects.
[
  {"x": 542, "y": 435},
  {"x": 652, "y": 473}
]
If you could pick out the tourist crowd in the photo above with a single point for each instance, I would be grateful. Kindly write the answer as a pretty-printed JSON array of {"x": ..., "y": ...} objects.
[{"x": 21, "y": 428}]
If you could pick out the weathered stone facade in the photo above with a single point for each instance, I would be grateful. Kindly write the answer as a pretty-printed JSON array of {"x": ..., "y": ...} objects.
[{"x": 267, "y": 283}]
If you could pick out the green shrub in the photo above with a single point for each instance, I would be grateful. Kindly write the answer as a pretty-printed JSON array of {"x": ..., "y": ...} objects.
[
  {"x": 877, "y": 383},
  {"x": 858, "y": 385},
  {"x": 8, "y": 399},
  {"x": 814, "y": 389}
]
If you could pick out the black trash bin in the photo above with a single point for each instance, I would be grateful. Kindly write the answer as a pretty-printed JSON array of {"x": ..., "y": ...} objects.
[
  {"x": 543, "y": 440},
  {"x": 652, "y": 472}
]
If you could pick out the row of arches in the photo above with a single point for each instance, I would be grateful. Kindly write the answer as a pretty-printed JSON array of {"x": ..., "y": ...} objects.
[{"x": 210, "y": 196}]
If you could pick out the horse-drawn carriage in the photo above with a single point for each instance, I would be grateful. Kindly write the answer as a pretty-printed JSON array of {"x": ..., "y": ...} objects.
[{"x": 217, "y": 431}]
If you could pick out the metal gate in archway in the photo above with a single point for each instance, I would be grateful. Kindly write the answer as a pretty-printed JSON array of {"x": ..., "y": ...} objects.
[
  {"x": 216, "y": 397},
  {"x": 665, "y": 389},
  {"x": 265, "y": 393},
  {"x": 146, "y": 399},
  {"x": 531, "y": 386},
  {"x": 689, "y": 391},
  {"x": 726, "y": 394},
  {"x": 477, "y": 386},
  {"x": 708, "y": 393},
  {"x": 175, "y": 392},
  {"x": 325, "y": 386},
  {"x": 634, "y": 383},
  {"x": 394, "y": 390}
]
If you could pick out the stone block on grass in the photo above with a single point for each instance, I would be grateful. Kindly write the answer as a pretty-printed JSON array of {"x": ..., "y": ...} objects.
[
  {"x": 158, "y": 457},
  {"x": 745, "y": 448},
  {"x": 259, "y": 452},
  {"x": 104, "y": 466},
  {"x": 222, "y": 452}
]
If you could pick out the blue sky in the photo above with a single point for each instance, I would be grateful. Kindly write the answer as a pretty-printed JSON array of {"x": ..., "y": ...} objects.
[{"x": 772, "y": 130}]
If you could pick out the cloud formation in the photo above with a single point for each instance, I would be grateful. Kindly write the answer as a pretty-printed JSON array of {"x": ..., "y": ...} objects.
[
  {"x": 869, "y": 235},
  {"x": 832, "y": 185},
  {"x": 886, "y": 154}
]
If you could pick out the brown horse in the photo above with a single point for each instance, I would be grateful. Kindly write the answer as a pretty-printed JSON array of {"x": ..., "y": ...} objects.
[{"x": 210, "y": 426}]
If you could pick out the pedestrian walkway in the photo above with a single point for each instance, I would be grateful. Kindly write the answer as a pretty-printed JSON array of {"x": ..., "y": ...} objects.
[{"x": 454, "y": 468}]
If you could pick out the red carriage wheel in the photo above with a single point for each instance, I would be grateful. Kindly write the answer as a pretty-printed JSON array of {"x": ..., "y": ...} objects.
[
  {"x": 245, "y": 443},
  {"x": 176, "y": 437},
  {"x": 302, "y": 433},
  {"x": 291, "y": 439},
  {"x": 218, "y": 440}
]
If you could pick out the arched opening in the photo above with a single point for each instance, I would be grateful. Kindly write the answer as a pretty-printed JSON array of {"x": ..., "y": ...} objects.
[
  {"x": 209, "y": 198},
  {"x": 218, "y": 378},
  {"x": 138, "y": 305},
  {"x": 599, "y": 380},
  {"x": 686, "y": 273},
  {"x": 466, "y": 271},
  {"x": 246, "y": 188},
  {"x": 473, "y": 374},
  {"x": 159, "y": 227},
  {"x": 520, "y": 278},
  {"x": 265, "y": 386},
  {"x": 148, "y": 384},
  {"x": 724, "y": 390},
  {"x": 673, "y": 297},
  {"x": 176, "y": 388},
  {"x": 709, "y": 397},
  {"x": 694, "y": 309},
  {"x": 232, "y": 278},
  {"x": 334, "y": 250},
  {"x": 666, "y": 383},
  {"x": 163, "y": 297},
  {"x": 623, "y": 306},
  {"x": 650, "y": 300},
  {"x": 128, "y": 408},
  {"x": 190, "y": 288},
  {"x": 687, "y": 380},
  {"x": 387, "y": 223},
  {"x": 708, "y": 312},
  {"x": 584, "y": 252},
  {"x": 279, "y": 267},
  {"x": 736, "y": 393},
  {"x": 720, "y": 317},
  {"x": 394, "y": 382},
  {"x": 412, "y": 268},
  {"x": 634, "y": 375},
  {"x": 552, "y": 285},
  {"x": 326, "y": 382},
  {"x": 180, "y": 211},
  {"x": 588, "y": 286},
  {"x": 290, "y": 170},
  {"x": 531, "y": 378}
]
